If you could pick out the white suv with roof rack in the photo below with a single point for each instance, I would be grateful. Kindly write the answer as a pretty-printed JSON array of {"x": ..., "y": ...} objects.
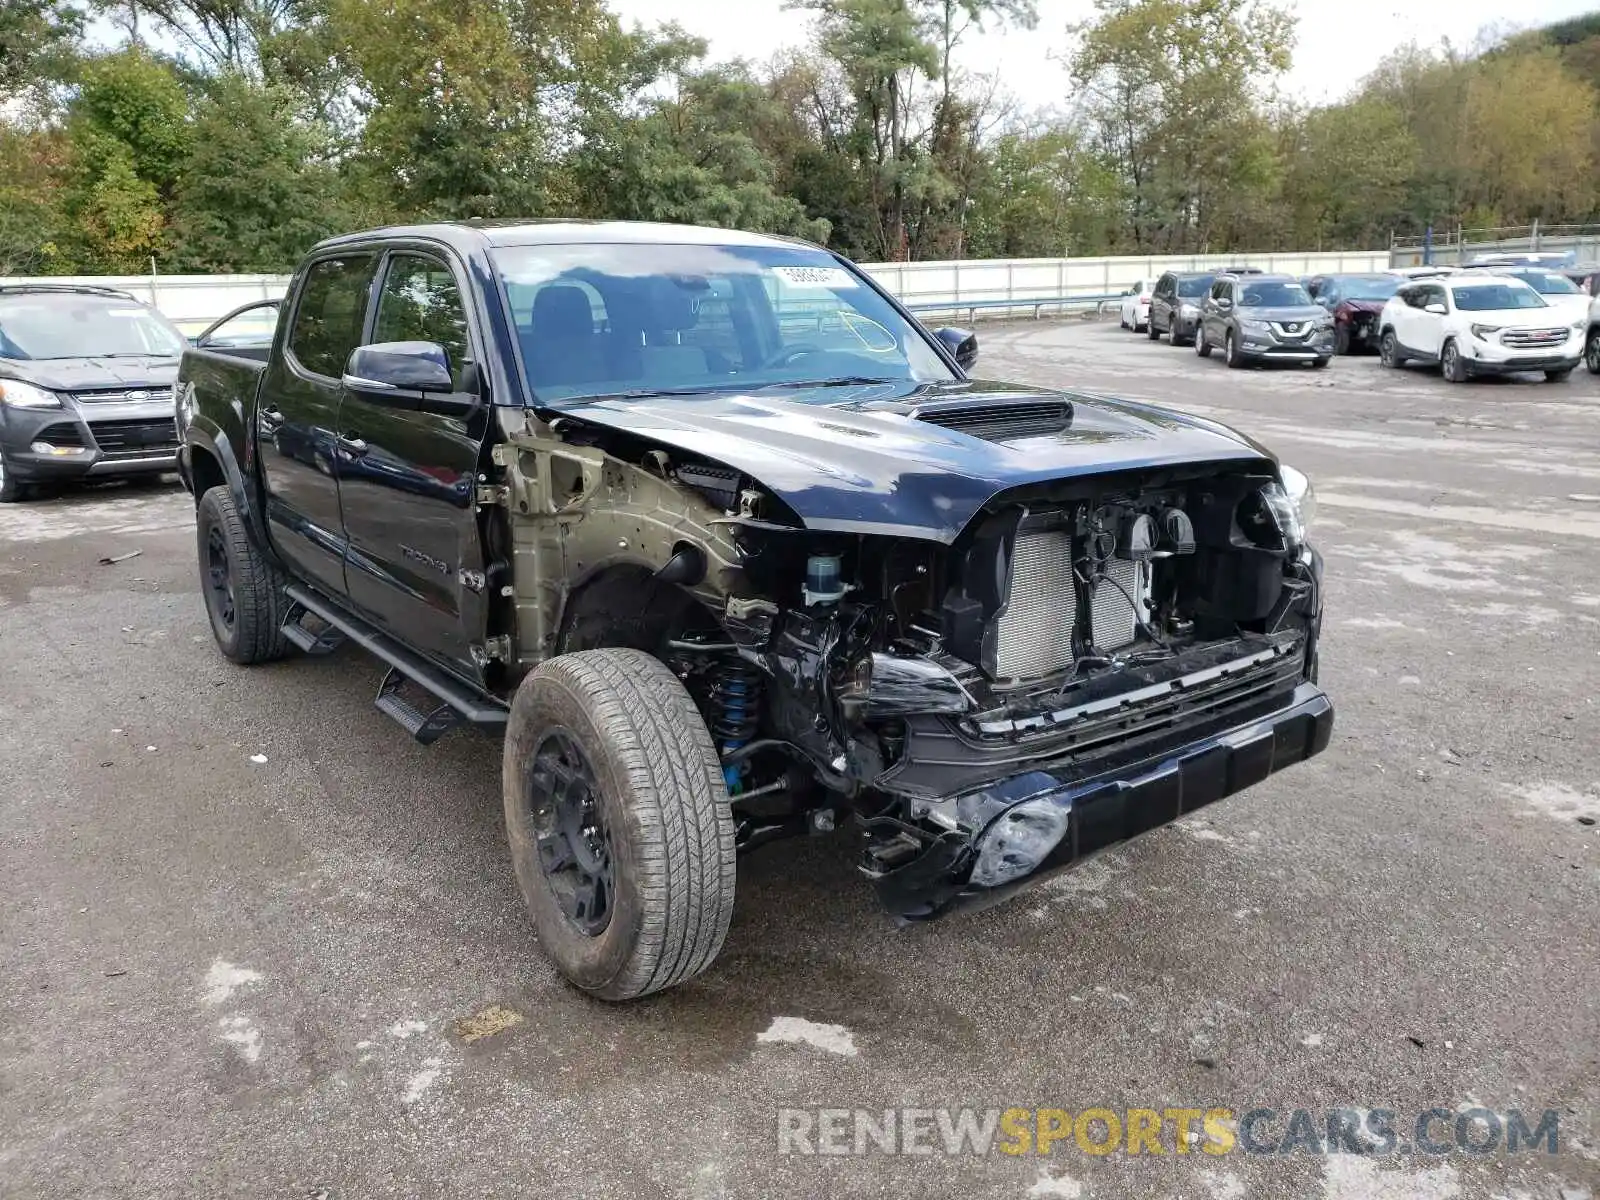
[{"x": 1476, "y": 323}]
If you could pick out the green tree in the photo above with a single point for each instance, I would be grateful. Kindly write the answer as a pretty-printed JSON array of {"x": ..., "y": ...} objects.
[
  {"x": 257, "y": 190},
  {"x": 129, "y": 135},
  {"x": 38, "y": 40},
  {"x": 1174, "y": 91}
]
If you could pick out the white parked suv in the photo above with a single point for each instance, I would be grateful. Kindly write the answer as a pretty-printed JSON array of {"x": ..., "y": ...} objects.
[
  {"x": 1476, "y": 323},
  {"x": 1136, "y": 306}
]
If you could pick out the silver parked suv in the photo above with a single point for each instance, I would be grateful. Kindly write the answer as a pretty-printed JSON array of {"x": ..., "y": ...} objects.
[{"x": 1254, "y": 318}]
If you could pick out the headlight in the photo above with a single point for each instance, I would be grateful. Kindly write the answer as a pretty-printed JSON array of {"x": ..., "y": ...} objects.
[
  {"x": 1254, "y": 326},
  {"x": 1580, "y": 326},
  {"x": 1189, "y": 310},
  {"x": 25, "y": 395},
  {"x": 1301, "y": 494},
  {"x": 1484, "y": 332}
]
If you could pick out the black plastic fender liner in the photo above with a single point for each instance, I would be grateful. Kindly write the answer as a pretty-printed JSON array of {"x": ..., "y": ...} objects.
[{"x": 476, "y": 708}]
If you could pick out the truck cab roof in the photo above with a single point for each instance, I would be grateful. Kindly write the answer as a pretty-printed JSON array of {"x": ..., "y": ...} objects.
[{"x": 468, "y": 235}]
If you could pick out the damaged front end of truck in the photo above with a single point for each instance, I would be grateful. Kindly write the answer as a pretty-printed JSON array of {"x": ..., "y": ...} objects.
[{"x": 1035, "y": 672}]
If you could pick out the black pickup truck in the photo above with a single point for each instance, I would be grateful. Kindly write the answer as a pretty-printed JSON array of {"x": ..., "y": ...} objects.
[{"x": 728, "y": 547}]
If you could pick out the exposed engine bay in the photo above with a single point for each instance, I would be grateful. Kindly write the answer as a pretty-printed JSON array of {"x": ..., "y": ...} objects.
[{"x": 1073, "y": 627}]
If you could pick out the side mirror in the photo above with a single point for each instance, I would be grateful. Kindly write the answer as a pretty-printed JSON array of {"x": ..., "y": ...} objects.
[
  {"x": 1435, "y": 308},
  {"x": 399, "y": 367},
  {"x": 962, "y": 345}
]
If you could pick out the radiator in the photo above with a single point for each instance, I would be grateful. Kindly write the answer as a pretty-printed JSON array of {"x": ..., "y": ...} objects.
[
  {"x": 1115, "y": 622},
  {"x": 1033, "y": 636}
]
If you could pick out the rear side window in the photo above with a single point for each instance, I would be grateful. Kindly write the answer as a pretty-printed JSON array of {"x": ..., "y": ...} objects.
[
  {"x": 419, "y": 302},
  {"x": 328, "y": 319}
]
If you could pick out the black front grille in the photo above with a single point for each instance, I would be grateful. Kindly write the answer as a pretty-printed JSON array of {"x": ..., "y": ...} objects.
[
  {"x": 1002, "y": 422},
  {"x": 136, "y": 439},
  {"x": 60, "y": 434}
]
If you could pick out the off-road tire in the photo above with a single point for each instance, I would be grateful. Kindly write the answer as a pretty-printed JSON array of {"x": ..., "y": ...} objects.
[
  {"x": 1591, "y": 352},
  {"x": 255, "y": 632},
  {"x": 1389, "y": 351},
  {"x": 1451, "y": 365},
  {"x": 1201, "y": 346},
  {"x": 1230, "y": 350},
  {"x": 664, "y": 806}
]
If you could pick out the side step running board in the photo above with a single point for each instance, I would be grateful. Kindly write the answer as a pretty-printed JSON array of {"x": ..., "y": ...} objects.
[
  {"x": 425, "y": 726},
  {"x": 457, "y": 702},
  {"x": 326, "y": 642}
]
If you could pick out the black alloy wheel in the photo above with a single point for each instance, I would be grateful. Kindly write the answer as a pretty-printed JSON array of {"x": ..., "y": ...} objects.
[
  {"x": 219, "y": 578},
  {"x": 574, "y": 846}
]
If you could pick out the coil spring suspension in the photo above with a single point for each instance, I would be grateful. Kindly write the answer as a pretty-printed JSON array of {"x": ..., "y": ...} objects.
[{"x": 735, "y": 714}]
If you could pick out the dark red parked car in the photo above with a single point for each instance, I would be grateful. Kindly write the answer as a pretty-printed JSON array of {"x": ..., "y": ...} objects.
[{"x": 1355, "y": 302}]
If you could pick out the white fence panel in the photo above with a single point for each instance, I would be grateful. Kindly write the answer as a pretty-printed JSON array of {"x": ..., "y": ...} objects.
[{"x": 998, "y": 286}]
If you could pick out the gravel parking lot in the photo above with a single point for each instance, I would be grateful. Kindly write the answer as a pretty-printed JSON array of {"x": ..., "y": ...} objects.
[{"x": 244, "y": 918}]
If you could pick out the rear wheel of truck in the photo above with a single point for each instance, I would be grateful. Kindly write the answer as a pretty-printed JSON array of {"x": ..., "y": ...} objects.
[
  {"x": 1230, "y": 350},
  {"x": 243, "y": 589},
  {"x": 618, "y": 818},
  {"x": 1150, "y": 330},
  {"x": 1201, "y": 346}
]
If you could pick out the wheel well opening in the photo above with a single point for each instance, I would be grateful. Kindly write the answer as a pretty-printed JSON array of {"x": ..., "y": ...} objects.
[
  {"x": 626, "y": 606},
  {"x": 206, "y": 472}
]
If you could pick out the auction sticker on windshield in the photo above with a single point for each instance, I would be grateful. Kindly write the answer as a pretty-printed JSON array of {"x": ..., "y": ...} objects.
[{"x": 826, "y": 277}]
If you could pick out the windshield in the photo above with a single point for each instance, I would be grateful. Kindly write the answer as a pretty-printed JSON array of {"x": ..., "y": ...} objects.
[
  {"x": 1274, "y": 294},
  {"x": 1198, "y": 286},
  {"x": 596, "y": 320},
  {"x": 1547, "y": 284},
  {"x": 65, "y": 325},
  {"x": 1365, "y": 287},
  {"x": 1487, "y": 297}
]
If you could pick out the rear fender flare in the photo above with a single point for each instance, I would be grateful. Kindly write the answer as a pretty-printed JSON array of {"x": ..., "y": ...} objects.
[{"x": 204, "y": 436}]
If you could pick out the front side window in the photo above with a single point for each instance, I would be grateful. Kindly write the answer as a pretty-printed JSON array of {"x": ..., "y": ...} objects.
[
  {"x": 419, "y": 302},
  {"x": 71, "y": 325},
  {"x": 328, "y": 318},
  {"x": 1487, "y": 297},
  {"x": 1194, "y": 287},
  {"x": 596, "y": 320}
]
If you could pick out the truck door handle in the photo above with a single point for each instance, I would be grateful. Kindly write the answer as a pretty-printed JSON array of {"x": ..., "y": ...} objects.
[{"x": 352, "y": 443}]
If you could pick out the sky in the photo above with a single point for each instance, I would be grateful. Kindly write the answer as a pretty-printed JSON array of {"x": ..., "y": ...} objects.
[{"x": 1339, "y": 40}]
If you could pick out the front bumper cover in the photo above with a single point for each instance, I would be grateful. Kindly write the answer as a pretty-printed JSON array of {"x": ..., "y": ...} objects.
[
  {"x": 80, "y": 431},
  {"x": 1086, "y": 816}
]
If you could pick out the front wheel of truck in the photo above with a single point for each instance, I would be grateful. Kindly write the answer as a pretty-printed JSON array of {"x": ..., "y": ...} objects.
[
  {"x": 618, "y": 818},
  {"x": 243, "y": 589}
]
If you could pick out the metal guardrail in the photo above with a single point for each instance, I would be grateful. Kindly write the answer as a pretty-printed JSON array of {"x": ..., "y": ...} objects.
[{"x": 973, "y": 307}]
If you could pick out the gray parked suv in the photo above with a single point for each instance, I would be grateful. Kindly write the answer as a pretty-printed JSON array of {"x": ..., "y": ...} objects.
[
  {"x": 1175, "y": 305},
  {"x": 1253, "y": 318}
]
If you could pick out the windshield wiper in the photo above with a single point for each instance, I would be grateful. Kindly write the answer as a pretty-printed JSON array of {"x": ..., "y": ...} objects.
[
  {"x": 647, "y": 393},
  {"x": 132, "y": 354},
  {"x": 833, "y": 381}
]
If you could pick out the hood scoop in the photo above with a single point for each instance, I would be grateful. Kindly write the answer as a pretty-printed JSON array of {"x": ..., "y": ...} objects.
[{"x": 1003, "y": 421}]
